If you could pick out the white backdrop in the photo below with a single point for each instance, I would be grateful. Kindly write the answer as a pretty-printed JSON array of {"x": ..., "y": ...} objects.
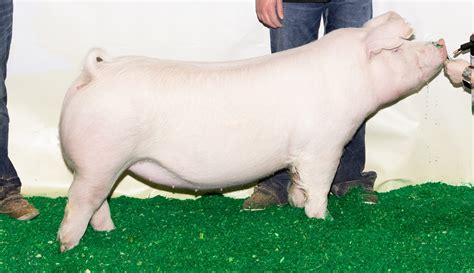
[{"x": 427, "y": 137}]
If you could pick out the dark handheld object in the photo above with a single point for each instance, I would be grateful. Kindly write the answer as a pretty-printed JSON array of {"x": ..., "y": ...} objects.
[
  {"x": 467, "y": 73},
  {"x": 466, "y": 46}
]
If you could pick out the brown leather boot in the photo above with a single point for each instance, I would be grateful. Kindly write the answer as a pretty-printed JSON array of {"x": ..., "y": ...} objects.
[
  {"x": 366, "y": 182},
  {"x": 262, "y": 198},
  {"x": 15, "y": 206}
]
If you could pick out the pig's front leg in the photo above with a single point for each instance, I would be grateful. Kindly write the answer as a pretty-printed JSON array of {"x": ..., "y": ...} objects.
[{"x": 316, "y": 173}]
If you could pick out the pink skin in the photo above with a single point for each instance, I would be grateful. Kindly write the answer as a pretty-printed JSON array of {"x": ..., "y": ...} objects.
[
  {"x": 269, "y": 12},
  {"x": 214, "y": 125},
  {"x": 454, "y": 70}
]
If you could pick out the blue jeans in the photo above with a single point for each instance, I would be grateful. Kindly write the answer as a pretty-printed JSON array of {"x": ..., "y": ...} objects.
[
  {"x": 9, "y": 180},
  {"x": 300, "y": 26}
]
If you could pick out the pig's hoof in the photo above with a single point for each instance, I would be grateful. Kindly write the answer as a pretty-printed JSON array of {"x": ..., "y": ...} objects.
[
  {"x": 318, "y": 214},
  {"x": 318, "y": 211},
  {"x": 104, "y": 228},
  {"x": 65, "y": 242},
  {"x": 63, "y": 248},
  {"x": 66, "y": 246},
  {"x": 296, "y": 197},
  {"x": 107, "y": 225}
]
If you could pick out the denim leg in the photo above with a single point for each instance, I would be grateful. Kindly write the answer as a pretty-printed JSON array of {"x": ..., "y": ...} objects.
[
  {"x": 353, "y": 159},
  {"x": 346, "y": 13},
  {"x": 300, "y": 26},
  {"x": 340, "y": 14},
  {"x": 9, "y": 181}
]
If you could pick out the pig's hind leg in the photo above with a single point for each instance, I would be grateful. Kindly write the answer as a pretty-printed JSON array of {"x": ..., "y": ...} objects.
[
  {"x": 87, "y": 202},
  {"x": 102, "y": 220}
]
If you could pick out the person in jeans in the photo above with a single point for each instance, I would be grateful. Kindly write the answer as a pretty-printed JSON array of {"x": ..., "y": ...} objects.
[
  {"x": 11, "y": 201},
  {"x": 294, "y": 23}
]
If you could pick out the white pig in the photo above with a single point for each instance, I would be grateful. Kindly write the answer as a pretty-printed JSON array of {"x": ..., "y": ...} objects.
[{"x": 208, "y": 126}]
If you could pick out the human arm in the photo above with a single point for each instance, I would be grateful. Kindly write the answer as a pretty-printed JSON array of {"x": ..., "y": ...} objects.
[
  {"x": 454, "y": 71},
  {"x": 269, "y": 12}
]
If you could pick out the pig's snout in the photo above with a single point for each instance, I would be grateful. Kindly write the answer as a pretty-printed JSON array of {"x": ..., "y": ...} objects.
[
  {"x": 441, "y": 45},
  {"x": 441, "y": 42}
]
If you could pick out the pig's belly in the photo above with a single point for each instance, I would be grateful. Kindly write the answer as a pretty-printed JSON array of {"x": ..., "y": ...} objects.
[{"x": 205, "y": 179}]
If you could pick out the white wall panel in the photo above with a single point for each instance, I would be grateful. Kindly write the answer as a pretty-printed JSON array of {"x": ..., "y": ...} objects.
[{"x": 427, "y": 137}]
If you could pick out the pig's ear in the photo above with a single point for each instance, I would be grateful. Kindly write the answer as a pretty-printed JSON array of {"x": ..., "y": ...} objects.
[
  {"x": 386, "y": 32},
  {"x": 382, "y": 19},
  {"x": 375, "y": 47}
]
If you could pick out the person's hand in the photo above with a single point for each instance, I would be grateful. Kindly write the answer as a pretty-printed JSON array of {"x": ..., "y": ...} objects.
[
  {"x": 454, "y": 69},
  {"x": 269, "y": 12}
]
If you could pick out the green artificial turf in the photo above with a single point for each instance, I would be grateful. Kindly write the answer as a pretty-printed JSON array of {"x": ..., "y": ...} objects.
[{"x": 428, "y": 227}]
